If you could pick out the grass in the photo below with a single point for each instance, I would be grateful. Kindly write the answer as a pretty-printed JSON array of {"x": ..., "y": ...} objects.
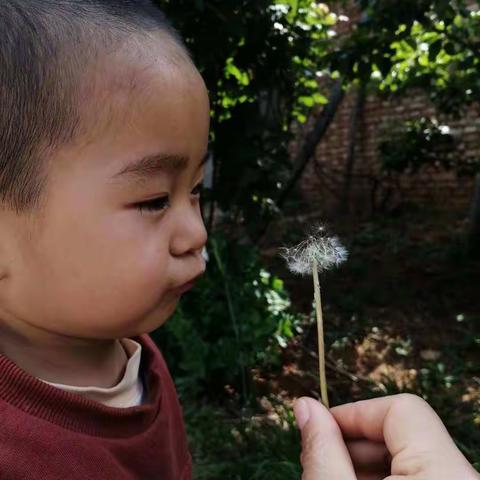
[{"x": 252, "y": 445}]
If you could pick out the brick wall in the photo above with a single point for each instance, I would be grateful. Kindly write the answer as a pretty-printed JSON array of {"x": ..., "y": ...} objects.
[{"x": 322, "y": 182}]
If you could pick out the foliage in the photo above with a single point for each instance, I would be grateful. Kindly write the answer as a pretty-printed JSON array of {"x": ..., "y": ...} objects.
[
  {"x": 265, "y": 62},
  {"x": 430, "y": 44},
  {"x": 236, "y": 319},
  {"x": 422, "y": 142},
  {"x": 260, "y": 60}
]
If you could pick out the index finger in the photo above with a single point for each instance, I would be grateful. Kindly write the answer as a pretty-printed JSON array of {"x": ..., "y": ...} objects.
[{"x": 399, "y": 421}]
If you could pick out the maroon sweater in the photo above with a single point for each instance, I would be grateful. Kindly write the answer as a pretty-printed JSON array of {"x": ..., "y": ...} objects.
[{"x": 50, "y": 434}]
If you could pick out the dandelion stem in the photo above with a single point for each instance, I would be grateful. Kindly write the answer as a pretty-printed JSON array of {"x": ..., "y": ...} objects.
[{"x": 321, "y": 344}]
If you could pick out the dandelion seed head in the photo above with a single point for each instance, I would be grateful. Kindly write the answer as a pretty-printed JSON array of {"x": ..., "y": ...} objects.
[{"x": 326, "y": 250}]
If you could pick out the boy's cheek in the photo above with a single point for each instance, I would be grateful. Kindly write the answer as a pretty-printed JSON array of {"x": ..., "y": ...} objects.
[
  {"x": 97, "y": 294},
  {"x": 100, "y": 310},
  {"x": 96, "y": 274}
]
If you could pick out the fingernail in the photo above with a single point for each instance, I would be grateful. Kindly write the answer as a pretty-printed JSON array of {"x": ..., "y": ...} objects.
[{"x": 302, "y": 413}]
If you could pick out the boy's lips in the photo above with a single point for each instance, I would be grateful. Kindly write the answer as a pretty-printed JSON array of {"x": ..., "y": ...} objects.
[{"x": 188, "y": 285}]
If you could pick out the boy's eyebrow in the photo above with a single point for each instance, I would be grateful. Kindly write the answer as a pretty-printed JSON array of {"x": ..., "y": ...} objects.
[{"x": 154, "y": 164}]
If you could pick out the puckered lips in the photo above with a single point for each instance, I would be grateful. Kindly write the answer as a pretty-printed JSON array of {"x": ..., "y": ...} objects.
[{"x": 180, "y": 290}]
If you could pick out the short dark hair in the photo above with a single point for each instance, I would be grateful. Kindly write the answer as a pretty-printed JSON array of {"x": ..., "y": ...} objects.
[{"x": 44, "y": 46}]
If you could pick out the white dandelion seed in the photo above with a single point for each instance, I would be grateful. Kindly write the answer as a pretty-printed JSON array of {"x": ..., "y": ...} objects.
[{"x": 326, "y": 251}]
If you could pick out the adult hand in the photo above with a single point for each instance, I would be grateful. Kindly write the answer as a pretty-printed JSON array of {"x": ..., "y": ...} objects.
[{"x": 394, "y": 438}]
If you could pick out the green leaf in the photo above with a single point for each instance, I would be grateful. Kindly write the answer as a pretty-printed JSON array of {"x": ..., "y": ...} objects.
[
  {"x": 423, "y": 60},
  {"x": 307, "y": 101},
  {"x": 231, "y": 70},
  {"x": 319, "y": 99}
]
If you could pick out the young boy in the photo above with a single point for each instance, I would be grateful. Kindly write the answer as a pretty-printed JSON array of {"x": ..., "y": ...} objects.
[{"x": 103, "y": 136}]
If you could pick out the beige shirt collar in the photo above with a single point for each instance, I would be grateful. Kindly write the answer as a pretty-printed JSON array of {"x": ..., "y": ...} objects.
[{"x": 127, "y": 393}]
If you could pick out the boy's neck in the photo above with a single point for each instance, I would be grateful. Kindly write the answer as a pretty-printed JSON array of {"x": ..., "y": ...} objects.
[{"x": 65, "y": 360}]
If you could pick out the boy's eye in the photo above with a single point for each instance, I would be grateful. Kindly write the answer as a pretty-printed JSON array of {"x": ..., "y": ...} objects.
[
  {"x": 154, "y": 205},
  {"x": 198, "y": 189},
  {"x": 161, "y": 203}
]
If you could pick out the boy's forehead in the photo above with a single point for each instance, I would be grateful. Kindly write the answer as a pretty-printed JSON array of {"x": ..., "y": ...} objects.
[
  {"x": 138, "y": 88},
  {"x": 147, "y": 115},
  {"x": 125, "y": 83},
  {"x": 161, "y": 63}
]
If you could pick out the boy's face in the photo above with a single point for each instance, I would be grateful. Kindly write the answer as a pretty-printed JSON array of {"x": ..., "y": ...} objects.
[{"x": 110, "y": 250}]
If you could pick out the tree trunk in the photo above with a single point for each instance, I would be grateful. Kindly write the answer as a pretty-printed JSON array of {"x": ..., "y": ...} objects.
[
  {"x": 474, "y": 223},
  {"x": 352, "y": 147}
]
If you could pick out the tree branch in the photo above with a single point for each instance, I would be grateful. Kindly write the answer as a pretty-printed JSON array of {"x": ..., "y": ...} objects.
[{"x": 308, "y": 148}]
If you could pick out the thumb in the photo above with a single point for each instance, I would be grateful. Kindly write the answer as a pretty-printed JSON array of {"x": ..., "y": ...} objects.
[{"x": 324, "y": 453}]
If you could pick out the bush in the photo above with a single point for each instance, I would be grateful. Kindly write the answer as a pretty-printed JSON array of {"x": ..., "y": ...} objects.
[{"x": 237, "y": 318}]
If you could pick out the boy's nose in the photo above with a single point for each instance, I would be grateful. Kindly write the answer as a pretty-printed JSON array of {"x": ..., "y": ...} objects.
[{"x": 190, "y": 234}]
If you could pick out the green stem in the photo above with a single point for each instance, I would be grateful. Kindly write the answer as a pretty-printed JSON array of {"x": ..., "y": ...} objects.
[
  {"x": 320, "y": 334},
  {"x": 231, "y": 312}
]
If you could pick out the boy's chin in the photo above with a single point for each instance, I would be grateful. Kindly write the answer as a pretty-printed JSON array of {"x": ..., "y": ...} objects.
[{"x": 158, "y": 317}]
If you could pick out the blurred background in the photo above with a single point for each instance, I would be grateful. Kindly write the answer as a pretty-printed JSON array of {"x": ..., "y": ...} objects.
[{"x": 364, "y": 116}]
